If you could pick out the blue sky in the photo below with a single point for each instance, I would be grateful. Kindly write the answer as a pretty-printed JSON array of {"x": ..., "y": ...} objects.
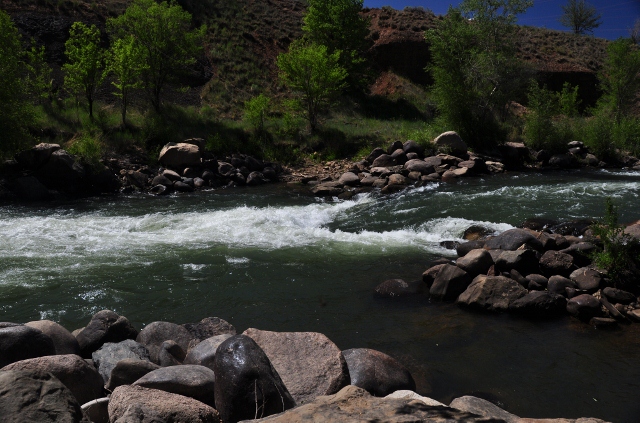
[{"x": 617, "y": 15}]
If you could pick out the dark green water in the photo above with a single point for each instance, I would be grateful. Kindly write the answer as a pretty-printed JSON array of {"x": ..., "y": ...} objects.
[{"x": 279, "y": 260}]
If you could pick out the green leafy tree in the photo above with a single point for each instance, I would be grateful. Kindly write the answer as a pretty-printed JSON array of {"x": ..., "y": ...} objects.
[
  {"x": 15, "y": 113},
  {"x": 163, "y": 34},
  {"x": 85, "y": 62},
  {"x": 580, "y": 16},
  {"x": 474, "y": 66},
  {"x": 125, "y": 64},
  {"x": 539, "y": 131},
  {"x": 568, "y": 100},
  {"x": 255, "y": 112},
  {"x": 38, "y": 76},
  {"x": 315, "y": 74},
  {"x": 338, "y": 25},
  {"x": 620, "y": 78}
]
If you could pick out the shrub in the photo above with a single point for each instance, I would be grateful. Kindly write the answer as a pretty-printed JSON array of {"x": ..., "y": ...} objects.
[
  {"x": 255, "y": 112},
  {"x": 88, "y": 148},
  {"x": 597, "y": 135}
]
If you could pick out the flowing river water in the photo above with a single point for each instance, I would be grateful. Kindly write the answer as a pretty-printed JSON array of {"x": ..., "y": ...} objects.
[{"x": 281, "y": 260}]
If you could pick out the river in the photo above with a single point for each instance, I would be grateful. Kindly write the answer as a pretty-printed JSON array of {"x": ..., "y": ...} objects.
[{"x": 278, "y": 259}]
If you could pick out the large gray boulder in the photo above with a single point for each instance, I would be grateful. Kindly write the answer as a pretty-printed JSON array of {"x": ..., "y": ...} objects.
[
  {"x": 309, "y": 364},
  {"x": 377, "y": 372},
  {"x": 558, "y": 285},
  {"x": 556, "y": 263},
  {"x": 450, "y": 142},
  {"x": 36, "y": 157},
  {"x": 105, "y": 326},
  {"x": 524, "y": 262},
  {"x": 483, "y": 408},
  {"x": 204, "y": 353},
  {"x": 512, "y": 240},
  {"x": 417, "y": 165},
  {"x": 63, "y": 341},
  {"x": 192, "y": 381},
  {"x": 135, "y": 404},
  {"x": 475, "y": 262},
  {"x": 180, "y": 155},
  {"x": 394, "y": 288},
  {"x": 76, "y": 374},
  {"x": 62, "y": 173},
  {"x": 584, "y": 307},
  {"x": 450, "y": 282},
  {"x": 208, "y": 327},
  {"x": 540, "y": 304},
  {"x": 30, "y": 188},
  {"x": 587, "y": 279},
  {"x": 154, "y": 334},
  {"x": 128, "y": 371},
  {"x": 19, "y": 342},
  {"x": 106, "y": 358},
  {"x": 494, "y": 293},
  {"x": 35, "y": 397}
]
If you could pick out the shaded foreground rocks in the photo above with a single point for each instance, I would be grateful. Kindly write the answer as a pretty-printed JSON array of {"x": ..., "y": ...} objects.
[{"x": 377, "y": 373}]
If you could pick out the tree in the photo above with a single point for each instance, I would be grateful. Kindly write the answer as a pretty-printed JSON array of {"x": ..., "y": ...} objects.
[
  {"x": 338, "y": 25},
  {"x": 15, "y": 113},
  {"x": 126, "y": 66},
  {"x": 163, "y": 34},
  {"x": 620, "y": 78},
  {"x": 474, "y": 67},
  {"x": 634, "y": 33},
  {"x": 85, "y": 61},
  {"x": 314, "y": 73},
  {"x": 38, "y": 73},
  {"x": 255, "y": 112},
  {"x": 580, "y": 16}
]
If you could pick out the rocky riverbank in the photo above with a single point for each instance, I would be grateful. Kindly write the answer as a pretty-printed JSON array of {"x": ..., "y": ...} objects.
[{"x": 109, "y": 371}]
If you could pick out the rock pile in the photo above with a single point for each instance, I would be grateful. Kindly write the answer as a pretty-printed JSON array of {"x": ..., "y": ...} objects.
[{"x": 205, "y": 372}]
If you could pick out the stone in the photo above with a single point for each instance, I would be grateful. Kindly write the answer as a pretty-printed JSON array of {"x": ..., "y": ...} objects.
[
  {"x": 63, "y": 341},
  {"x": 106, "y": 358},
  {"x": 493, "y": 293},
  {"x": 159, "y": 190},
  {"x": 383, "y": 160},
  {"x": 618, "y": 296},
  {"x": 353, "y": 404},
  {"x": 513, "y": 239},
  {"x": 256, "y": 178},
  {"x": 633, "y": 230},
  {"x": 398, "y": 179},
  {"x": 154, "y": 334},
  {"x": 483, "y": 408},
  {"x": 475, "y": 232},
  {"x": 584, "y": 307},
  {"x": 376, "y": 372},
  {"x": 309, "y": 364},
  {"x": 327, "y": 189},
  {"x": 30, "y": 188},
  {"x": 349, "y": 179},
  {"x": 558, "y": 285},
  {"x": 399, "y": 156},
  {"x": 563, "y": 161},
  {"x": 411, "y": 146},
  {"x": 129, "y": 370},
  {"x": 430, "y": 274},
  {"x": 130, "y": 403},
  {"x": 247, "y": 385},
  {"x": 204, "y": 353},
  {"x": 581, "y": 252},
  {"x": 62, "y": 173},
  {"x": 587, "y": 279},
  {"x": 556, "y": 263},
  {"x": 208, "y": 327},
  {"x": 575, "y": 227},
  {"x": 77, "y": 375},
  {"x": 474, "y": 167},
  {"x": 538, "y": 279},
  {"x": 475, "y": 262},
  {"x": 461, "y": 171},
  {"x": 97, "y": 411},
  {"x": 421, "y": 166},
  {"x": 105, "y": 326},
  {"x": 450, "y": 283},
  {"x": 181, "y": 186},
  {"x": 180, "y": 155},
  {"x": 539, "y": 304},
  {"x": 35, "y": 397},
  {"x": 190, "y": 380},
  {"x": 19, "y": 342},
  {"x": 171, "y": 175},
  {"x": 170, "y": 354},
  {"x": 464, "y": 248},
  {"x": 603, "y": 322},
  {"x": 368, "y": 180},
  {"x": 36, "y": 157},
  {"x": 377, "y": 152},
  {"x": 450, "y": 142},
  {"x": 393, "y": 288},
  {"x": 524, "y": 262},
  {"x": 226, "y": 169},
  {"x": 407, "y": 394},
  {"x": 161, "y": 180}
]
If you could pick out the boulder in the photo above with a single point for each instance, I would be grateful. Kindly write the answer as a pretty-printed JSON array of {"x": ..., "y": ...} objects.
[
  {"x": 170, "y": 354},
  {"x": 464, "y": 248},
  {"x": 63, "y": 341},
  {"x": 633, "y": 230},
  {"x": 396, "y": 145},
  {"x": 154, "y": 334},
  {"x": 399, "y": 156},
  {"x": 603, "y": 322},
  {"x": 584, "y": 307},
  {"x": 406, "y": 394},
  {"x": 556, "y": 263},
  {"x": 162, "y": 180},
  {"x": 563, "y": 161},
  {"x": 450, "y": 283},
  {"x": 97, "y": 411},
  {"x": 327, "y": 189},
  {"x": 19, "y": 342},
  {"x": 130, "y": 403},
  {"x": 450, "y": 142},
  {"x": 181, "y": 186},
  {"x": 539, "y": 280},
  {"x": 247, "y": 385},
  {"x": 349, "y": 179},
  {"x": 204, "y": 353},
  {"x": 430, "y": 274},
  {"x": 256, "y": 178},
  {"x": 377, "y": 152},
  {"x": 376, "y": 372},
  {"x": 581, "y": 252},
  {"x": 397, "y": 179},
  {"x": 421, "y": 166},
  {"x": 180, "y": 155},
  {"x": 309, "y": 364},
  {"x": 397, "y": 288},
  {"x": 618, "y": 296},
  {"x": 587, "y": 279},
  {"x": 36, "y": 157},
  {"x": 475, "y": 166},
  {"x": 30, "y": 188},
  {"x": 208, "y": 327},
  {"x": 413, "y": 147},
  {"x": 558, "y": 285},
  {"x": 494, "y": 293},
  {"x": 475, "y": 262},
  {"x": 106, "y": 358},
  {"x": 475, "y": 232},
  {"x": 483, "y": 408},
  {"x": 32, "y": 396},
  {"x": 105, "y": 326},
  {"x": 524, "y": 262},
  {"x": 513, "y": 239},
  {"x": 383, "y": 160},
  {"x": 572, "y": 227},
  {"x": 129, "y": 370},
  {"x": 62, "y": 173},
  {"x": 192, "y": 381},
  {"x": 353, "y": 404},
  {"x": 539, "y": 304},
  {"x": 77, "y": 375}
]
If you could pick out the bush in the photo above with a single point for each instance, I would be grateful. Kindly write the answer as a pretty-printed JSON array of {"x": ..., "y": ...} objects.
[
  {"x": 597, "y": 135},
  {"x": 88, "y": 148},
  {"x": 255, "y": 112}
]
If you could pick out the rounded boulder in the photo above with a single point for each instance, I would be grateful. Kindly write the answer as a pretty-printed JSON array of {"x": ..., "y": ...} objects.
[{"x": 376, "y": 372}]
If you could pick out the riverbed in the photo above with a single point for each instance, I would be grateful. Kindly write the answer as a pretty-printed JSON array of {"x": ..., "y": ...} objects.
[{"x": 278, "y": 259}]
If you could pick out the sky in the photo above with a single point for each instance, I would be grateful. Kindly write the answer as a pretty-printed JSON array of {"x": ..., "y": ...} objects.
[{"x": 618, "y": 16}]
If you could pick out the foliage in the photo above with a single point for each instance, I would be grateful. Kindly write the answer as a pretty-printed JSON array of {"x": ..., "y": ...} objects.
[
  {"x": 125, "y": 65},
  {"x": 85, "y": 62},
  {"x": 315, "y": 74},
  {"x": 338, "y": 25},
  {"x": 620, "y": 78},
  {"x": 597, "y": 135},
  {"x": 634, "y": 32},
  {"x": 15, "y": 114},
  {"x": 164, "y": 38},
  {"x": 620, "y": 249},
  {"x": 38, "y": 79},
  {"x": 474, "y": 67},
  {"x": 88, "y": 148},
  {"x": 568, "y": 101},
  {"x": 255, "y": 112},
  {"x": 580, "y": 16}
]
